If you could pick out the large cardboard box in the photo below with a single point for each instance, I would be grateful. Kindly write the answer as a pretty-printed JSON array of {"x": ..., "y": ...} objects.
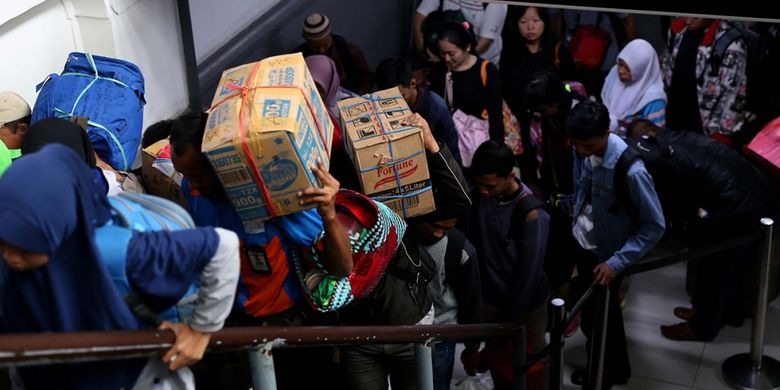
[
  {"x": 389, "y": 157},
  {"x": 266, "y": 127},
  {"x": 157, "y": 174}
]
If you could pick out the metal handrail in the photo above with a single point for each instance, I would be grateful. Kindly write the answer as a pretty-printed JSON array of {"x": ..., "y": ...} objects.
[
  {"x": 687, "y": 256},
  {"x": 595, "y": 377},
  {"x": 47, "y": 348}
]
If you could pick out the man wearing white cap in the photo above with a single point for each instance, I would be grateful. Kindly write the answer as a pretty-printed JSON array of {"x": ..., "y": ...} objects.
[
  {"x": 355, "y": 73},
  {"x": 14, "y": 121}
]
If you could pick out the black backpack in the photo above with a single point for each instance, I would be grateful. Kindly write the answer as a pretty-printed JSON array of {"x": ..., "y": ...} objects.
[
  {"x": 636, "y": 150},
  {"x": 757, "y": 39}
]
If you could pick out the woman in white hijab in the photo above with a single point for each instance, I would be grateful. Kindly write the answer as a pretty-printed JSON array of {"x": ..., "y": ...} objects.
[{"x": 634, "y": 88}]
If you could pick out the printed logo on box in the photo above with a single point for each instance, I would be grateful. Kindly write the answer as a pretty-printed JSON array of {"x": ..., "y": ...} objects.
[
  {"x": 404, "y": 168},
  {"x": 226, "y": 161},
  {"x": 281, "y": 76},
  {"x": 218, "y": 116},
  {"x": 359, "y": 109},
  {"x": 388, "y": 102},
  {"x": 227, "y": 91},
  {"x": 361, "y": 121},
  {"x": 367, "y": 132},
  {"x": 279, "y": 174},
  {"x": 276, "y": 108}
]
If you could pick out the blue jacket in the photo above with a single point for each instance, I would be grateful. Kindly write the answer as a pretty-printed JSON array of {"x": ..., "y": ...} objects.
[
  {"x": 620, "y": 240},
  {"x": 262, "y": 294}
]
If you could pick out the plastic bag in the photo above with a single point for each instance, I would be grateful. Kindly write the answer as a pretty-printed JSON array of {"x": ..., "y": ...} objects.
[{"x": 478, "y": 382}]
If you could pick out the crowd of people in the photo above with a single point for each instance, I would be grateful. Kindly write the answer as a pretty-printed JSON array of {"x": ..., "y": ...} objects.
[{"x": 567, "y": 171}]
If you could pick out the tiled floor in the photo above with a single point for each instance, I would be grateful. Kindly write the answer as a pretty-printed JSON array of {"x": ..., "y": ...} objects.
[{"x": 661, "y": 364}]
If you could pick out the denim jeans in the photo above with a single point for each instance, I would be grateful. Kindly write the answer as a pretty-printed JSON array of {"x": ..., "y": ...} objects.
[{"x": 443, "y": 360}]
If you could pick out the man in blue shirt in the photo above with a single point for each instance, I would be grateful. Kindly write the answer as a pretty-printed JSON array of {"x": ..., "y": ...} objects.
[
  {"x": 398, "y": 73},
  {"x": 269, "y": 292},
  {"x": 617, "y": 233}
]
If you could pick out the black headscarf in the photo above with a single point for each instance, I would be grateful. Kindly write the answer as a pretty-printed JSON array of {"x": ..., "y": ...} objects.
[
  {"x": 51, "y": 204},
  {"x": 59, "y": 131}
]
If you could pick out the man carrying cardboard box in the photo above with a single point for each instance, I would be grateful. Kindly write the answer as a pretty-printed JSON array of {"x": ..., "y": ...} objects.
[
  {"x": 403, "y": 296},
  {"x": 388, "y": 151},
  {"x": 267, "y": 125},
  {"x": 268, "y": 291},
  {"x": 265, "y": 270}
]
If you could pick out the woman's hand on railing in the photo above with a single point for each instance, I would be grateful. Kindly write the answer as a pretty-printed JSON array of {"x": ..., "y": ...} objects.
[
  {"x": 188, "y": 348},
  {"x": 603, "y": 275}
]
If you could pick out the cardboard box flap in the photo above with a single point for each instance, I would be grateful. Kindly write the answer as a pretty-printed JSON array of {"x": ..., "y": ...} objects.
[{"x": 154, "y": 149}]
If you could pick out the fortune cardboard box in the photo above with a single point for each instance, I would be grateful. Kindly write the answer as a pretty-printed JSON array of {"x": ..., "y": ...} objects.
[
  {"x": 157, "y": 173},
  {"x": 389, "y": 157},
  {"x": 267, "y": 126}
]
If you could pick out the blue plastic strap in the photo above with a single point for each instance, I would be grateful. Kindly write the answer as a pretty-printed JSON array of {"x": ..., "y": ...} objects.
[
  {"x": 99, "y": 77},
  {"x": 95, "y": 77},
  {"x": 113, "y": 138},
  {"x": 392, "y": 156},
  {"x": 94, "y": 124}
]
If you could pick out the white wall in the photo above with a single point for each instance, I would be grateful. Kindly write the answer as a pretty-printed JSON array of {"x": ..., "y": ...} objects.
[
  {"x": 12, "y": 9},
  {"x": 216, "y": 22},
  {"x": 146, "y": 33},
  {"x": 34, "y": 44},
  {"x": 37, "y": 40}
]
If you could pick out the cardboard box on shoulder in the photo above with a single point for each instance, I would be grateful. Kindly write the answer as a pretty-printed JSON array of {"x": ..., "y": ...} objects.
[
  {"x": 157, "y": 174},
  {"x": 389, "y": 157},
  {"x": 267, "y": 126}
]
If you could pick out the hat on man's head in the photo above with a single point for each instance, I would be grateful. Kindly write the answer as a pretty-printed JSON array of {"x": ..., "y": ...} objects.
[
  {"x": 12, "y": 107},
  {"x": 316, "y": 26}
]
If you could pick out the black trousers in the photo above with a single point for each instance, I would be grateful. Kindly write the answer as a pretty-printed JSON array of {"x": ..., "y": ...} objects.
[
  {"x": 717, "y": 294},
  {"x": 617, "y": 368}
]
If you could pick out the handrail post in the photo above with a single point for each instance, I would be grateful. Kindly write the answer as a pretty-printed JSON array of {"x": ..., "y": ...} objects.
[
  {"x": 754, "y": 370},
  {"x": 598, "y": 344},
  {"x": 261, "y": 365},
  {"x": 520, "y": 342},
  {"x": 557, "y": 326},
  {"x": 423, "y": 357}
]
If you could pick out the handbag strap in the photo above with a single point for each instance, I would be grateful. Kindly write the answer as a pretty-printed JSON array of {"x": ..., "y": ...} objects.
[
  {"x": 448, "y": 90},
  {"x": 483, "y": 75},
  {"x": 448, "y": 86}
]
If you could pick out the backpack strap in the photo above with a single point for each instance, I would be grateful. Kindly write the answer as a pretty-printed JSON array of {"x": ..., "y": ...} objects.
[
  {"x": 418, "y": 273},
  {"x": 720, "y": 46},
  {"x": 452, "y": 255},
  {"x": 138, "y": 212},
  {"x": 484, "y": 76},
  {"x": 525, "y": 205},
  {"x": 620, "y": 185},
  {"x": 483, "y": 73},
  {"x": 81, "y": 121}
]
